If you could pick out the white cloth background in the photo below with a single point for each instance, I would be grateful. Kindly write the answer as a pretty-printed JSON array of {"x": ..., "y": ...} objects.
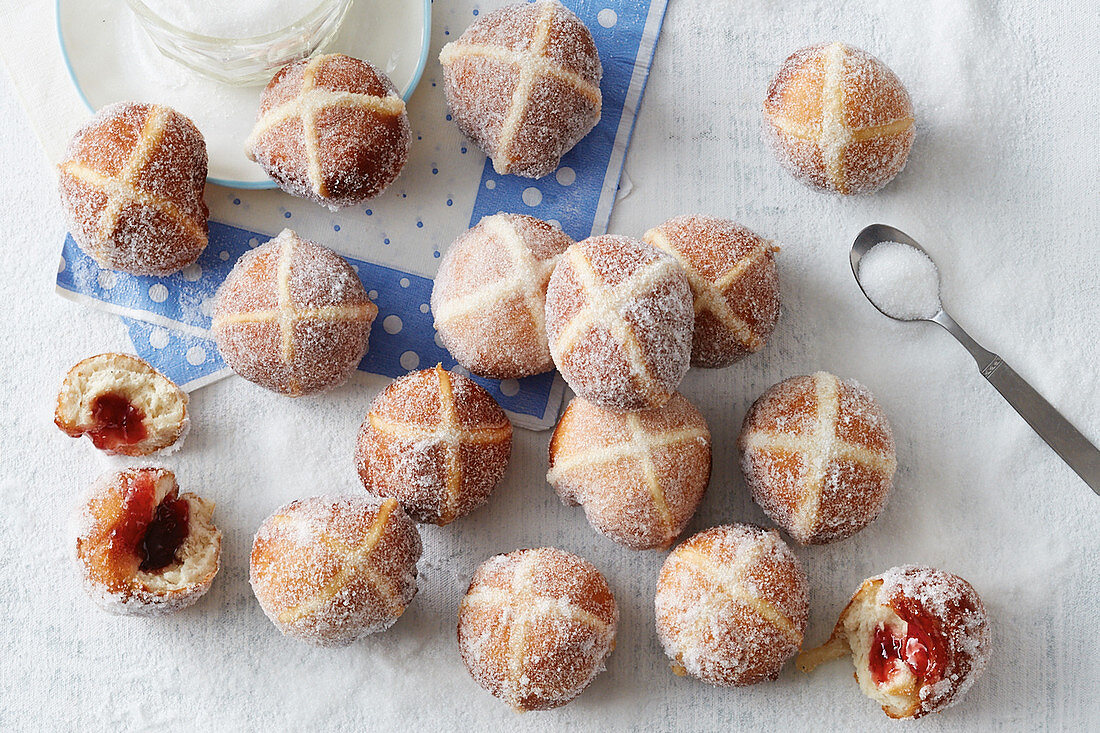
[{"x": 1001, "y": 188}]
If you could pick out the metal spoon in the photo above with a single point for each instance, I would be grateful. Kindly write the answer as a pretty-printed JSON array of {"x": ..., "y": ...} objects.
[{"x": 1068, "y": 442}]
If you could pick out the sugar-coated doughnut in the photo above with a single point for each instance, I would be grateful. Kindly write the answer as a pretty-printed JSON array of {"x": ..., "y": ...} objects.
[
  {"x": 437, "y": 442},
  {"x": 536, "y": 627},
  {"x": 818, "y": 454},
  {"x": 489, "y": 296},
  {"x": 731, "y": 605},
  {"x": 838, "y": 119},
  {"x": 331, "y": 128},
  {"x": 919, "y": 638},
  {"x": 619, "y": 318},
  {"x": 143, "y": 548},
  {"x": 733, "y": 280},
  {"x": 639, "y": 475},
  {"x": 523, "y": 83},
  {"x": 131, "y": 186},
  {"x": 330, "y": 569},
  {"x": 292, "y": 317},
  {"x": 123, "y": 405}
]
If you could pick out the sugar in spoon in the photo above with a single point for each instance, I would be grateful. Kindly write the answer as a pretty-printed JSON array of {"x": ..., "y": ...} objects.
[{"x": 1068, "y": 442}]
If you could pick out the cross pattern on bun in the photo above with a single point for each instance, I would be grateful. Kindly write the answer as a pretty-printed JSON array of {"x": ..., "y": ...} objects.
[
  {"x": 489, "y": 296},
  {"x": 919, "y": 638},
  {"x": 331, "y": 569},
  {"x": 818, "y": 454},
  {"x": 123, "y": 405},
  {"x": 132, "y": 186},
  {"x": 619, "y": 317},
  {"x": 143, "y": 548},
  {"x": 292, "y": 317},
  {"x": 331, "y": 128},
  {"x": 523, "y": 82},
  {"x": 639, "y": 475},
  {"x": 536, "y": 627}
]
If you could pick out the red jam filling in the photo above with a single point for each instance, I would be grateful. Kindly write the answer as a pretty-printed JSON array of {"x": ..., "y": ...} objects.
[
  {"x": 154, "y": 532},
  {"x": 915, "y": 648},
  {"x": 117, "y": 422}
]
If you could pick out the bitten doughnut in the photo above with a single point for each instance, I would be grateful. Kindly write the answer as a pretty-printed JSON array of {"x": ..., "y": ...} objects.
[
  {"x": 838, "y": 119},
  {"x": 731, "y": 605},
  {"x": 292, "y": 317},
  {"x": 143, "y": 548},
  {"x": 818, "y": 454},
  {"x": 331, "y": 128},
  {"x": 489, "y": 297},
  {"x": 919, "y": 638},
  {"x": 639, "y": 476},
  {"x": 619, "y": 318},
  {"x": 123, "y": 405},
  {"x": 330, "y": 569},
  {"x": 435, "y": 441},
  {"x": 733, "y": 281},
  {"x": 523, "y": 83},
  {"x": 536, "y": 627},
  {"x": 131, "y": 186}
]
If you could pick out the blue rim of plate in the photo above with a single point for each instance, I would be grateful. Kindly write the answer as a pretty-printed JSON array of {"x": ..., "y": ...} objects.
[{"x": 425, "y": 43}]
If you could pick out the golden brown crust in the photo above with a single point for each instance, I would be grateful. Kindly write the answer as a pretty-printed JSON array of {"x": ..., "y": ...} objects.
[
  {"x": 639, "y": 476},
  {"x": 161, "y": 404},
  {"x": 435, "y": 441},
  {"x": 731, "y": 605},
  {"x": 330, "y": 569},
  {"x": 838, "y": 119},
  {"x": 536, "y": 627},
  {"x": 131, "y": 185},
  {"x": 331, "y": 128},
  {"x": 818, "y": 455},
  {"x": 733, "y": 281}
]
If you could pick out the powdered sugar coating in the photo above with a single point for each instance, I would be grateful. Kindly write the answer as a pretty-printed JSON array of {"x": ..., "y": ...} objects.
[
  {"x": 838, "y": 119},
  {"x": 536, "y": 627},
  {"x": 818, "y": 454},
  {"x": 110, "y": 570},
  {"x": 639, "y": 476},
  {"x": 523, "y": 83},
  {"x": 332, "y": 129},
  {"x": 733, "y": 281},
  {"x": 292, "y": 317},
  {"x": 331, "y": 569},
  {"x": 131, "y": 186},
  {"x": 489, "y": 296},
  {"x": 435, "y": 441},
  {"x": 619, "y": 317},
  {"x": 731, "y": 605},
  {"x": 955, "y": 615}
]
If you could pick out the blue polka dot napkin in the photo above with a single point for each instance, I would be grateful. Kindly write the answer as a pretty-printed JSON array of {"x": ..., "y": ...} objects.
[{"x": 394, "y": 243}]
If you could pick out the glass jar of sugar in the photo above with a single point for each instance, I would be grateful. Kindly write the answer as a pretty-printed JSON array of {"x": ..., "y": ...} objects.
[{"x": 239, "y": 42}]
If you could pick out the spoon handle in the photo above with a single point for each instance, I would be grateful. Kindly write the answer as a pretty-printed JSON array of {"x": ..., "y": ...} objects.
[{"x": 1067, "y": 441}]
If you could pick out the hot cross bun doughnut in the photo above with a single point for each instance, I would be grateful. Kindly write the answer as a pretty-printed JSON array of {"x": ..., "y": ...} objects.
[
  {"x": 330, "y": 569},
  {"x": 619, "y": 318},
  {"x": 639, "y": 476},
  {"x": 523, "y": 82},
  {"x": 838, "y": 119},
  {"x": 292, "y": 317},
  {"x": 733, "y": 280},
  {"x": 131, "y": 186},
  {"x": 435, "y": 441},
  {"x": 489, "y": 297},
  {"x": 536, "y": 627},
  {"x": 331, "y": 128},
  {"x": 919, "y": 638},
  {"x": 143, "y": 548},
  {"x": 818, "y": 454},
  {"x": 731, "y": 605}
]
